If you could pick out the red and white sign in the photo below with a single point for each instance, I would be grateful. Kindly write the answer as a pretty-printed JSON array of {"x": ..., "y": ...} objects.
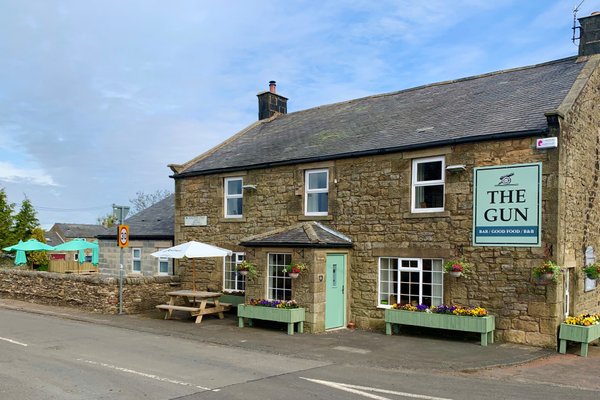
[
  {"x": 123, "y": 236},
  {"x": 546, "y": 143}
]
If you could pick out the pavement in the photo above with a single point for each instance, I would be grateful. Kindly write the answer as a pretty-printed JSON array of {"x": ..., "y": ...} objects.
[{"x": 409, "y": 350}]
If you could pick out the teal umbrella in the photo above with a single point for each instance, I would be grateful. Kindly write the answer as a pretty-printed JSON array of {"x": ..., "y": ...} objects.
[
  {"x": 80, "y": 245},
  {"x": 30, "y": 245},
  {"x": 21, "y": 258}
]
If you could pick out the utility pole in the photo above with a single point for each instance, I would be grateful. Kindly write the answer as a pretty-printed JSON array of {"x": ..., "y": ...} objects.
[{"x": 120, "y": 212}]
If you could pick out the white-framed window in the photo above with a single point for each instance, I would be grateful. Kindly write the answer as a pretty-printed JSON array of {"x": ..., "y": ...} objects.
[
  {"x": 164, "y": 265},
  {"x": 233, "y": 197},
  {"x": 279, "y": 283},
  {"x": 233, "y": 281},
  {"x": 410, "y": 281},
  {"x": 316, "y": 188},
  {"x": 428, "y": 179},
  {"x": 136, "y": 260}
]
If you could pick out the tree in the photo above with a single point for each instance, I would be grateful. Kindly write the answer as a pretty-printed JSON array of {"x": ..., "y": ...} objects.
[
  {"x": 6, "y": 220},
  {"x": 38, "y": 257},
  {"x": 25, "y": 221},
  {"x": 145, "y": 200},
  {"x": 107, "y": 221}
]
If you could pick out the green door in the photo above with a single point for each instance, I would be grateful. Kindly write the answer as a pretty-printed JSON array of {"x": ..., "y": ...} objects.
[{"x": 335, "y": 303}]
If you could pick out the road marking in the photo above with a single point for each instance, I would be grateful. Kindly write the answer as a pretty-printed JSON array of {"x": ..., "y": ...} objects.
[
  {"x": 361, "y": 390},
  {"x": 13, "y": 341},
  {"x": 145, "y": 375},
  {"x": 352, "y": 349}
]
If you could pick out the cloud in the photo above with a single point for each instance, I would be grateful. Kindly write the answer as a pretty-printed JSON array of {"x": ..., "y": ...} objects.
[{"x": 35, "y": 176}]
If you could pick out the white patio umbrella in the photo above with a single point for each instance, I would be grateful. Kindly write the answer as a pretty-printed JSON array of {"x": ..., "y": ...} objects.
[{"x": 192, "y": 249}]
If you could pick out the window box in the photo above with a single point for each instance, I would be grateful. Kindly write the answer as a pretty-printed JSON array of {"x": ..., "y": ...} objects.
[
  {"x": 290, "y": 316},
  {"x": 578, "y": 333},
  {"x": 233, "y": 299},
  {"x": 483, "y": 325}
]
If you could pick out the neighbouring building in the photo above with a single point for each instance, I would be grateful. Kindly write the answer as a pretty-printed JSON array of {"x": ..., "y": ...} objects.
[
  {"x": 68, "y": 261},
  {"x": 150, "y": 230},
  {"x": 374, "y": 194}
]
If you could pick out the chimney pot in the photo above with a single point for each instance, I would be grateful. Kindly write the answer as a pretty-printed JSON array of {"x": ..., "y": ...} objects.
[{"x": 272, "y": 86}]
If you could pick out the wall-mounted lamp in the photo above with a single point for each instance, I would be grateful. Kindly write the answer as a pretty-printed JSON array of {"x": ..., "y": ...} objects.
[
  {"x": 252, "y": 187},
  {"x": 456, "y": 168}
]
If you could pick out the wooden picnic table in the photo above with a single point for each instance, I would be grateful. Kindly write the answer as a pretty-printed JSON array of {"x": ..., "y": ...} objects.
[{"x": 197, "y": 303}]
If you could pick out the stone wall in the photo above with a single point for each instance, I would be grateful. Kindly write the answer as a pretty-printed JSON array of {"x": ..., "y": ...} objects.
[
  {"x": 579, "y": 224},
  {"x": 108, "y": 261},
  {"x": 93, "y": 293}
]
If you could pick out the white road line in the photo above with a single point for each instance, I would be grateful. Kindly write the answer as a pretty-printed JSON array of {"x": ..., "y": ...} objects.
[
  {"x": 13, "y": 342},
  {"x": 361, "y": 390},
  {"x": 145, "y": 375}
]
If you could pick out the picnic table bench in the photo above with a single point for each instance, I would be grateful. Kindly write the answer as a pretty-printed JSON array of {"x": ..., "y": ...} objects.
[{"x": 197, "y": 303}]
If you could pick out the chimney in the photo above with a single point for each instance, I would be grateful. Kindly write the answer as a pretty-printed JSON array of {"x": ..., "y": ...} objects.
[
  {"x": 270, "y": 103},
  {"x": 589, "y": 35}
]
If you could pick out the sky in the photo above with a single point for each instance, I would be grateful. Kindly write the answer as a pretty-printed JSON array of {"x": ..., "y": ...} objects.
[{"x": 97, "y": 97}]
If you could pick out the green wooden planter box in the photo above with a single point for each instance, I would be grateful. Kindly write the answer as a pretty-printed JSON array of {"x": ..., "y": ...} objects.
[
  {"x": 290, "y": 316},
  {"x": 483, "y": 325},
  {"x": 234, "y": 300},
  {"x": 578, "y": 333}
]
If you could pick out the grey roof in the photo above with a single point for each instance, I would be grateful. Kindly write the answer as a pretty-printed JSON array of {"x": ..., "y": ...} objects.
[
  {"x": 306, "y": 234},
  {"x": 156, "y": 221},
  {"x": 475, "y": 108},
  {"x": 52, "y": 238},
  {"x": 71, "y": 231}
]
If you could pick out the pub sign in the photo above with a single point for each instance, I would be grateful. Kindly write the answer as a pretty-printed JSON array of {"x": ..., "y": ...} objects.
[{"x": 507, "y": 205}]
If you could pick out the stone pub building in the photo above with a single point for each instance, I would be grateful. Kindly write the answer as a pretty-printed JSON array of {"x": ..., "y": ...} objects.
[{"x": 374, "y": 194}]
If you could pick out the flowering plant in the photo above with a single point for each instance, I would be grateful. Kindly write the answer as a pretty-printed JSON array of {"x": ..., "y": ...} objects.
[
  {"x": 592, "y": 271},
  {"x": 273, "y": 303},
  {"x": 547, "y": 268},
  {"x": 584, "y": 320},
  {"x": 444, "y": 309},
  {"x": 246, "y": 266},
  {"x": 295, "y": 268},
  {"x": 459, "y": 265}
]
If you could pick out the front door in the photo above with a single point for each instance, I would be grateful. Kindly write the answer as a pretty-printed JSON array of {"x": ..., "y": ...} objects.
[{"x": 335, "y": 300}]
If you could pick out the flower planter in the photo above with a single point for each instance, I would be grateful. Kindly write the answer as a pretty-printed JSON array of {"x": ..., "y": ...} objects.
[
  {"x": 293, "y": 275},
  {"x": 455, "y": 274},
  {"x": 232, "y": 299},
  {"x": 578, "y": 333},
  {"x": 290, "y": 316},
  {"x": 243, "y": 273},
  {"x": 483, "y": 325}
]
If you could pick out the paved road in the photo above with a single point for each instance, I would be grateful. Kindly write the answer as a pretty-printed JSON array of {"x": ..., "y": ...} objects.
[{"x": 45, "y": 357}]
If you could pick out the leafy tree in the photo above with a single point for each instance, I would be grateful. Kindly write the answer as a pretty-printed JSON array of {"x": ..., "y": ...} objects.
[
  {"x": 6, "y": 220},
  {"x": 107, "y": 221},
  {"x": 25, "y": 221},
  {"x": 38, "y": 257},
  {"x": 145, "y": 200}
]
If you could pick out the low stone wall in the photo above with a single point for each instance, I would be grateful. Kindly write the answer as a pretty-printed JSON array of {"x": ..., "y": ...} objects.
[{"x": 94, "y": 293}]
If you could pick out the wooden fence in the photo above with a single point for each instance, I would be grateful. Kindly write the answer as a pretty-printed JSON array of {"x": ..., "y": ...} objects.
[{"x": 71, "y": 267}]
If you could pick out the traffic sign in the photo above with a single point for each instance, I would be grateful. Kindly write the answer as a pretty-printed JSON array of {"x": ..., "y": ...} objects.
[{"x": 123, "y": 238}]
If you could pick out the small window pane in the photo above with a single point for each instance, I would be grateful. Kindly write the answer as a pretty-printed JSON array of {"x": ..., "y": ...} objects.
[
  {"x": 234, "y": 186},
  {"x": 234, "y": 207},
  {"x": 429, "y": 196},
  {"x": 317, "y": 202},
  {"x": 429, "y": 171},
  {"x": 317, "y": 180}
]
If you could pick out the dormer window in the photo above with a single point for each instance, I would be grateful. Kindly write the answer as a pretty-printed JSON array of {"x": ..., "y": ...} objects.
[
  {"x": 316, "y": 196},
  {"x": 233, "y": 197},
  {"x": 428, "y": 185}
]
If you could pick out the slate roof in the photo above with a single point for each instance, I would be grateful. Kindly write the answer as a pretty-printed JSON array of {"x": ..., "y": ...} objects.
[
  {"x": 52, "y": 238},
  {"x": 72, "y": 231},
  {"x": 306, "y": 234},
  {"x": 476, "y": 108},
  {"x": 156, "y": 221}
]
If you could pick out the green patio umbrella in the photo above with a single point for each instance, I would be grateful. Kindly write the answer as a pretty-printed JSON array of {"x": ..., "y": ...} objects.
[
  {"x": 20, "y": 258},
  {"x": 80, "y": 245},
  {"x": 30, "y": 245}
]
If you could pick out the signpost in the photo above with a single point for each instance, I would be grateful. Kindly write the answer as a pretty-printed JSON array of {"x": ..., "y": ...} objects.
[
  {"x": 120, "y": 212},
  {"x": 507, "y": 205}
]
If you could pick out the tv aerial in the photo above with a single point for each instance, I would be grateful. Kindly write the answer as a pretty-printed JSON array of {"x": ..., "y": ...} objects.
[{"x": 575, "y": 27}]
